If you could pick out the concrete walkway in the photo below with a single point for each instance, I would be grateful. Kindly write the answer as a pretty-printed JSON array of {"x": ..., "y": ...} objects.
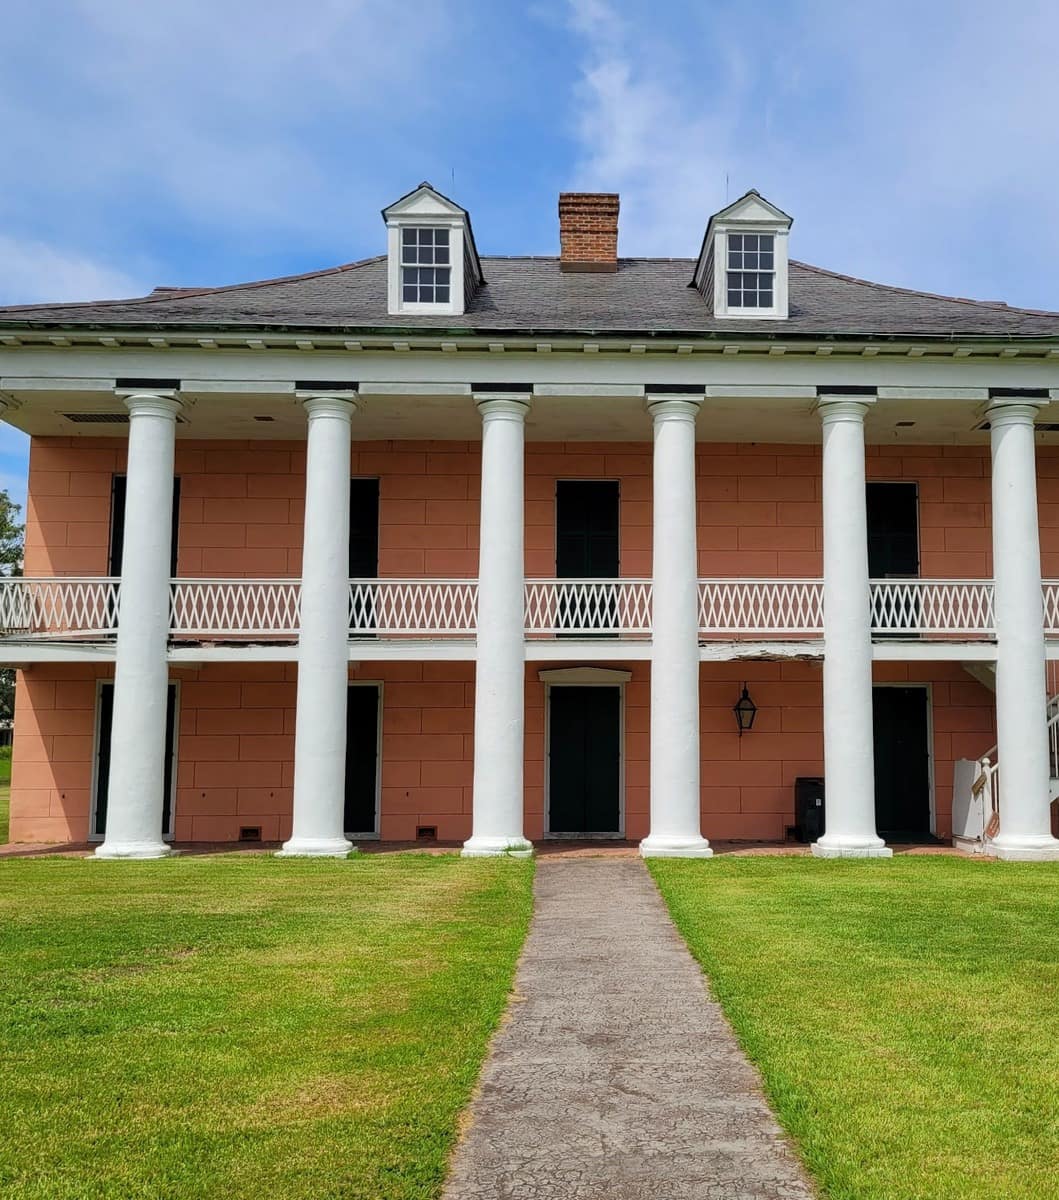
[{"x": 615, "y": 1076}]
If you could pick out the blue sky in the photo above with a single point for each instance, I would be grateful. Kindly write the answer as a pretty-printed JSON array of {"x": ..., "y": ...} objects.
[{"x": 212, "y": 141}]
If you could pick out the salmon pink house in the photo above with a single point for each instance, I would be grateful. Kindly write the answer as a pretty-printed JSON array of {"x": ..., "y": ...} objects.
[{"x": 492, "y": 550}]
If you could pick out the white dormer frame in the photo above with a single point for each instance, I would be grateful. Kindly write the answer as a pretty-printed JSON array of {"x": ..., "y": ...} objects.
[
  {"x": 425, "y": 208},
  {"x": 751, "y": 213}
]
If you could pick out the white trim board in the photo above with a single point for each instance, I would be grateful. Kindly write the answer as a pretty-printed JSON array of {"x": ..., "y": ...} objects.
[{"x": 585, "y": 676}]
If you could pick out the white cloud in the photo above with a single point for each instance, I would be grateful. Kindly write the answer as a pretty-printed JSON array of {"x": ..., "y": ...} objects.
[
  {"x": 643, "y": 134},
  {"x": 913, "y": 144},
  {"x": 257, "y": 117},
  {"x": 34, "y": 271}
]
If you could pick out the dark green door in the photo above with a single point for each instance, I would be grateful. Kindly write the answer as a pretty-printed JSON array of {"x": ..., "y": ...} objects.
[
  {"x": 363, "y": 528},
  {"x": 584, "y": 769},
  {"x": 118, "y": 490},
  {"x": 586, "y": 547},
  {"x": 902, "y": 762},
  {"x": 893, "y": 551},
  {"x": 362, "y": 758},
  {"x": 893, "y": 529},
  {"x": 363, "y": 552},
  {"x": 586, "y": 535},
  {"x": 105, "y": 725}
]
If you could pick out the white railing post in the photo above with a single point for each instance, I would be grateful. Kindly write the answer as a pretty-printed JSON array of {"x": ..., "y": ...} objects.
[
  {"x": 676, "y": 822},
  {"x": 1021, "y": 703},
  {"x": 141, "y": 674},
  {"x": 849, "y": 771},
  {"x": 323, "y": 642},
  {"x": 499, "y": 693}
]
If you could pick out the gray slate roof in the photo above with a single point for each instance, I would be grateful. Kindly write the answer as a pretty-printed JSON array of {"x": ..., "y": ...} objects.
[{"x": 531, "y": 295}]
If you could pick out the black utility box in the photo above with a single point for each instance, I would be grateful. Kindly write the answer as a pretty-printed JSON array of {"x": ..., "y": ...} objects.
[{"x": 808, "y": 809}]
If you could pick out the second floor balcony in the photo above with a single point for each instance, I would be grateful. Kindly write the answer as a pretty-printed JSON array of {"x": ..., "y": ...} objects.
[{"x": 65, "y": 610}]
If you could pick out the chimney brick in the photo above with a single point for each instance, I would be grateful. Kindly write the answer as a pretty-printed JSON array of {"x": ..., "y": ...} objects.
[{"x": 588, "y": 231}]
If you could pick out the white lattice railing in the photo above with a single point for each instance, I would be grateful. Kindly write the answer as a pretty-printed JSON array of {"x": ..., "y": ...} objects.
[
  {"x": 761, "y": 607},
  {"x": 66, "y": 607},
  {"x": 413, "y": 607},
  {"x": 208, "y": 608},
  {"x": 1050, "y": 590},
  {"x": 58, "y": 607},
  {"x": 933, "y": 607},
  {"x": 588, "y": 607}
]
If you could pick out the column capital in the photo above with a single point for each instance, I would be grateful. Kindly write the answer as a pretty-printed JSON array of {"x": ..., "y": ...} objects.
[
  {"x": 1013, "y": 409},
  {"x": 510, "y": 406},
  {"x": 670, "y": 406},
  {"x": 328, "y": 404},
  {"x": 840, "y": 406},
  {"x": 143, "y": 403}
]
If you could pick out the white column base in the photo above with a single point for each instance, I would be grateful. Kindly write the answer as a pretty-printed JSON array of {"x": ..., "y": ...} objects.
[
  {"x": 132, "y": 850},
  {"x": 674, "y": 847},
  {"x": 316, "y": 848},
  {"x": 823, "y": 849},
  {"x": 497, "y": 847},
  {"x": 1029, "y": 849}
]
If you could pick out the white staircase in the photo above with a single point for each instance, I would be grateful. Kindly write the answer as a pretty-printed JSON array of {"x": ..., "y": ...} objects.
[{"x": 976, "y": 816}]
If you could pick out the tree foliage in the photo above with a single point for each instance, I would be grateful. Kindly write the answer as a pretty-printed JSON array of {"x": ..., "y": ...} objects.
[{"x": 11, "y": 542}]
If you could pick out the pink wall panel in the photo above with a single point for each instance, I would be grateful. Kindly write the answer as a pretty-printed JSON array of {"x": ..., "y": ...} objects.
[
  {"x": 241, "y": 512},
  {"x": 759, "y": 506},
  {"x": 236, "y": 747}
]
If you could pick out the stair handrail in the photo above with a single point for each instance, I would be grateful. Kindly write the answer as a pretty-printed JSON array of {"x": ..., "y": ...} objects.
[{"x": 986, "y": 786}]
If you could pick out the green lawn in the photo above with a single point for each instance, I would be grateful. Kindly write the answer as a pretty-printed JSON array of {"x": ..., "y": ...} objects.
[
  {"x": 904, "y": 1013},
  {"x": 245, "y": 1026}
]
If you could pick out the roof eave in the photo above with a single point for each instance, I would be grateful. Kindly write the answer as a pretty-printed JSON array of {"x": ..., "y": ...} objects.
[{"x": 421, "y": 332}]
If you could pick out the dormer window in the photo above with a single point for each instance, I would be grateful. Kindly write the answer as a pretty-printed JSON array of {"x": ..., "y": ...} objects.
[
  {"x": 432, "y": 264},
  {"x": 426, "y": 273},
  {"x": 751, "y": 270},
  {"x": 741, "y": 270}
]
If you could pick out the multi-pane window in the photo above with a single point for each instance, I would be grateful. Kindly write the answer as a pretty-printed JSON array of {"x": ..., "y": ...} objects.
[
  {"x": 751, "y": 270},
  {"x": 425, "y": 267}
]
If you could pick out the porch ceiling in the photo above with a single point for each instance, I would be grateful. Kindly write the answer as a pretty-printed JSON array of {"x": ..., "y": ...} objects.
[{"x": 445, "y": 412}]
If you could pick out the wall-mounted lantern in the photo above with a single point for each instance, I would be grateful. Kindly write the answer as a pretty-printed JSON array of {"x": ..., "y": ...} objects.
[{"x": 745, "y": 711}]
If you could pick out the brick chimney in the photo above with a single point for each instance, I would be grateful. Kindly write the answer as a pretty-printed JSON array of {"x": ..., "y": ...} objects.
[{"x": 588, "y": 231}]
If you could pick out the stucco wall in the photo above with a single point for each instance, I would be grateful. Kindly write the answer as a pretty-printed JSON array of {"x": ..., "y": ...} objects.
[
  {"x": 759, "y": 506},
  {"x": 241, "y": 511},
  {"x": 236, "y": 746}
]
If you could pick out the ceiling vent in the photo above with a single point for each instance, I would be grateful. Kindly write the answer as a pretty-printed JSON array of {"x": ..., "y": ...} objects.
[
  {"x": 1038, "y": 427},
  {"x": 98, "y": 418}
]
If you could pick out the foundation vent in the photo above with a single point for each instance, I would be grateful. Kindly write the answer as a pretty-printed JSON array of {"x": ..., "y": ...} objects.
[
  {"x": 250, "y": 833},
  {"x": 426, "y": 833}
]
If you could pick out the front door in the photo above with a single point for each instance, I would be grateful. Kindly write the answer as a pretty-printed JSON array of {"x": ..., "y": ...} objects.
[
  {"x": 362, "y": 759},
  {"x": 104, "y": 727},
  {"x": 902, "y": 763},
  {"x": 584, "y": 768}
]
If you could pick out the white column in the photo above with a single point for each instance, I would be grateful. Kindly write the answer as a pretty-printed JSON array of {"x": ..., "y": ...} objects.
[
  {"x": 323, "y": 639},
  {"x": 499, "y": 694},
  {"x": 676, "y": 827},
  {"x": 849, "y": 759},
  {"x": 1022, "y": 736},
  {"x": 141, "y": 674}
]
